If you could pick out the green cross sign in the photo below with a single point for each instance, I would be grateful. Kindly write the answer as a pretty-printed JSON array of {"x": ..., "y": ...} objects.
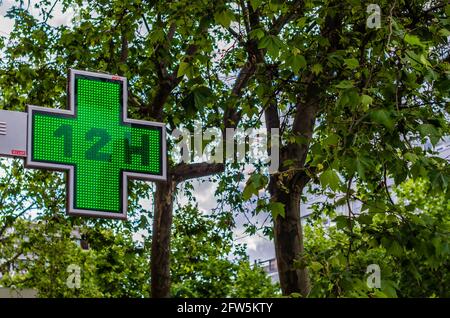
[{"x": 97, "y": 144}]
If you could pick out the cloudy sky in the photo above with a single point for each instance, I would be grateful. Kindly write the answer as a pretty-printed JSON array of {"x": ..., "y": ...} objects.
[{"x": 258, "y": 247}]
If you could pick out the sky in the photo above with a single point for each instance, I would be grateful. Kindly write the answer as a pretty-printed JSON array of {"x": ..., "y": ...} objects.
[
  {"x": 6, "y": 24},
  {"x": 258, "y": 247}
]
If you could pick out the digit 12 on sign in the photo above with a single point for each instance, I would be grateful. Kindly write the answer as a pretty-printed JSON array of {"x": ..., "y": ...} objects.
[{"x": 97, "y": 144}]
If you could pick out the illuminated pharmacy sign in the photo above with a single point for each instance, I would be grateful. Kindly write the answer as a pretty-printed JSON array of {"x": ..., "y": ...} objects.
[{"x": 97, "y": 144}]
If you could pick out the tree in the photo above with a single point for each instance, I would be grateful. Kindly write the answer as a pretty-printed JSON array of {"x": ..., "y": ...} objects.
[
  {"x": 169, "y": 66},
  {"x": 207, "y": 262},
  {"x": 411, "y": 249},
  {"x": 38, "y": 246},
  {"x": 48, "y": 261},
  {"x": 351, "y": 102}
]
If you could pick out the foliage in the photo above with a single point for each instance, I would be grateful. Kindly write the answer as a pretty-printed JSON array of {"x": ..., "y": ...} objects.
[
  {"x": 115, "y": 266},
  {"x": 354, "y": 106},
  {"x": 38, "y": 246},
  {"x": 43, "y": 260},
  {"x": 377, "y": 95},
  {"x": 411, "y": 248},
  {"x": 252, "y": 282},
  {"x": 49, "y": 250},
  {"x": 201, "y": 265}
]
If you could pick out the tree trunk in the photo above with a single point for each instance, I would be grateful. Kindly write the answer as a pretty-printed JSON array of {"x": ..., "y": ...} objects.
[
  {"x": 162, "y": 225},
  {"x": 289, "y": 242}
]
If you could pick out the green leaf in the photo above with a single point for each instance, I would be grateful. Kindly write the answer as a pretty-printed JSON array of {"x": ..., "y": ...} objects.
[
  {"x": 423, "y": 59},
  {"x": 444, "y": 32},
  {"x": 255, "y": 183},
  {"x": 351, "y": 63},
  {"x": 156, "y": 36},
  {"x": 361, "y": 167},
  {"x": 143, "y": 222},
  {"x": 249, "y": 190},
  {"x": 413, "y": 40},
  {"x": 185, "y": 69},
  {"x": 383, "y": 117},
  {"x": 331, "y": 140},
  {"x": 341, "y": 222},
  {"x": 412, "y": 157},
  {"x": 388, "y": 288},
  {"x": 296, "y": 62},
  {"x": 255, "y": 4},
  {"x": 417, "y": 60},
  {"x": 189, "y": 105},
  {"x": 365, "y": 218},
  {"x": 443, "y": 85},
  {"x": 265, "y": 42},
  {"x": 277, "y": 209},
  {"x": 366, "y": 100},
  {"x": 428, "y": 130},
  {"x": 330, "y": 178},
  {"x": 258, "y": 180},
  {"x": 201, "y": 96},
  {"x": 272, "y": 43},
  {"x": 315, "y": 266},
  {"x": 395, "y": 249},
  {"x": 317, "y": 69},
  {"x": 345, "y": 84},
  {"x": 224, "y": 18},
  {"x": 256, "y": 34}
]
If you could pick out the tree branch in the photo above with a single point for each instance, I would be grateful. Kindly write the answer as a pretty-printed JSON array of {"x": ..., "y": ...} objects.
[
  {"x": 167, "y": 83},
  {"x": 123, "y": 51},
  {"x": 232, "y": 115},
  {"x": 183, "y": 171},
  {"x": 308, "y": 106},
  {"x": 236, "y": 35},
  {"x": 245, "y": 15},
  {"x": 50, "y": 11},
  {"x": 294, "y": 12}
]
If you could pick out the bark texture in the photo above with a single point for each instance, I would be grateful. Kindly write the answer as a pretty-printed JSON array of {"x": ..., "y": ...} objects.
[{"x": 162, "y": 224}]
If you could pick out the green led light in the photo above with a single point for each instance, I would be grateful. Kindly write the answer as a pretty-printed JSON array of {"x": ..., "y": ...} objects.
[{"x": 97, "y": 143}]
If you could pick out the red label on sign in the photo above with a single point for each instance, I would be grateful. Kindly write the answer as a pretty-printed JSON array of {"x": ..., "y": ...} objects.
[
  {"x": 116, "y": 77},
  {"x": 18, "y": 152}
]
